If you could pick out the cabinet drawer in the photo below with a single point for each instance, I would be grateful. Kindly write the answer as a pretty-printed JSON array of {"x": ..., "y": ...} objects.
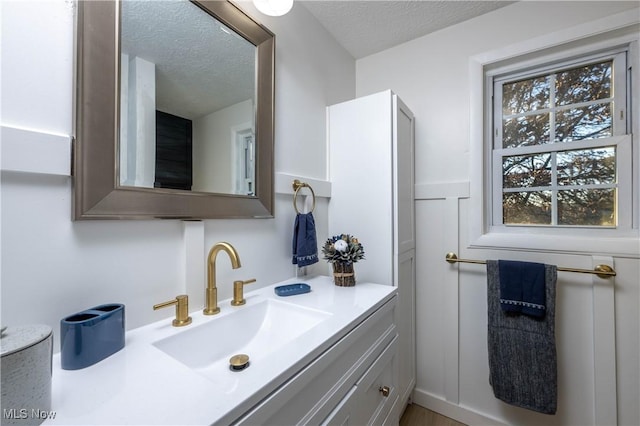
[
  {"x": 341, "y": 415},
  {"x": 377, "y": 389},
  {"x": 366, "y": 404},
  {"x": 311, "y": 394}
]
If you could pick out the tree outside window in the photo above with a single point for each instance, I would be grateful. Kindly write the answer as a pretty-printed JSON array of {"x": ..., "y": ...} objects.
[{"x": 553, "y": 139}]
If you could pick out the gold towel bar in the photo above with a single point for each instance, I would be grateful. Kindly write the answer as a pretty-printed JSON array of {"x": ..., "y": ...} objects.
[
  {"x": 296, "y": 187},
  {"x": 603, "y": 271}
]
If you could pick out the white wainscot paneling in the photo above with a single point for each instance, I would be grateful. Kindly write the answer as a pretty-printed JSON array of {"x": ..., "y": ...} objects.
[
  {"x": 627, "y": 337},
  {"x": 431, "y": 296},
  {"x": 597, "y": 326}
]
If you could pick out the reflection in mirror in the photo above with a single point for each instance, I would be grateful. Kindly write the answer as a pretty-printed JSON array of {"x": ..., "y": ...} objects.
[{"x": 187, "y": 100}]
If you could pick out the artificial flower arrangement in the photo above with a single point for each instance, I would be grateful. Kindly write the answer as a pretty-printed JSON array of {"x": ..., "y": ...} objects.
[
  {"x": 343, "y": 248},
  {"x": 343, "y": 251}
]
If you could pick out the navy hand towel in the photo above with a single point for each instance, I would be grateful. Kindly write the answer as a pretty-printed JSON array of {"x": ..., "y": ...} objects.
[
  {"x": 522, "y": 349},
  {"x": 305, "y": 245},
  {"x": 522, "y": 287}
]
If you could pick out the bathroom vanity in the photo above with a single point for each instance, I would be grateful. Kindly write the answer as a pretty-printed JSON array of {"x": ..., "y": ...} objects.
[{"x": 324, "y": 357}]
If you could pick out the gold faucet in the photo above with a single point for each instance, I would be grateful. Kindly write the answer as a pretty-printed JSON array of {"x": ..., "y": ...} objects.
[{"x": 211, "y": 295}]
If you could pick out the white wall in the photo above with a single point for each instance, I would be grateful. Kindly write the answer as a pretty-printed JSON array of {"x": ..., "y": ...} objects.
[
  {"x": 214, "y": 148},
  {"x": 597, "y": 328},
  {"x": 52, "y": 267}
]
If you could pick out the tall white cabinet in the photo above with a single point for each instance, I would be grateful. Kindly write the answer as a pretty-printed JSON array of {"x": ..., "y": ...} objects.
[{"x": 371, "y": 167}]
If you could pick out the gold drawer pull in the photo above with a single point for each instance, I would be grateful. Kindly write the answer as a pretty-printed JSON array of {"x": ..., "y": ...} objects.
[{"x": 384, "y": 390}]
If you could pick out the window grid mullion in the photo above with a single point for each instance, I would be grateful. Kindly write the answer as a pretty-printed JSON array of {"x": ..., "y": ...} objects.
[
  {"x": 554, "y": 189},
  {"x": 552, "y": 140},
  {"x": 497, "y": 116},
  {"x": 562, "y": 187},
  {"x": 552, "y": 106},
  {"x": 557, "y": 108}
]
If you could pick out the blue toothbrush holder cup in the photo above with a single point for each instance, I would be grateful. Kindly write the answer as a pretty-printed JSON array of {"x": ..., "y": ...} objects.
[{"x": 90, "y": 336}]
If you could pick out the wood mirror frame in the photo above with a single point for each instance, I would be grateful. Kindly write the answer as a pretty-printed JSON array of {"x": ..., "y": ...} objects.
[{"x": 97, "y": 194}]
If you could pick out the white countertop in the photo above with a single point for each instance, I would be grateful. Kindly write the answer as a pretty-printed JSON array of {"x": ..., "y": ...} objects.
[{"x": 141, "y": 384}]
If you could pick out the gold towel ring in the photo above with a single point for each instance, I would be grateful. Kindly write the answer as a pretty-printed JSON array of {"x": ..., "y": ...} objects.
[{"x": 296, "y": 186}]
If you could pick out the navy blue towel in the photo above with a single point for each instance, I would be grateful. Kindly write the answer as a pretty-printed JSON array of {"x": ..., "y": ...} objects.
[
  {"x": 305, "y": 245},
  {"x": 522, "y": 288},
  {"x": 522, "y": 349}
]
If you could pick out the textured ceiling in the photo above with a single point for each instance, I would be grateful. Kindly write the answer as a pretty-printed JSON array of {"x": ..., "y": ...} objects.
[
  {"x": 192, "y": 51},
  {"x": 365, "y": 27}
]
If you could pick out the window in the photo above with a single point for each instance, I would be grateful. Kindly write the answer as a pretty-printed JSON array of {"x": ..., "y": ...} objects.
[{"x": 561, "y": 145}]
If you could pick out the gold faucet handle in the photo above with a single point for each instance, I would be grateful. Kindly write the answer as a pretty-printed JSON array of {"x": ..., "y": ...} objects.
[
  {"x": 238, "y": 297},
  {"x": 182, "y": 310}
]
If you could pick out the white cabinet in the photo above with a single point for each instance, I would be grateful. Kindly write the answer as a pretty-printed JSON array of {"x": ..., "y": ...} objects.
[
  {"x": 371, "y": 167},
  {"x": 343, "y": 385},
  {"x": 374, "y": 395}
]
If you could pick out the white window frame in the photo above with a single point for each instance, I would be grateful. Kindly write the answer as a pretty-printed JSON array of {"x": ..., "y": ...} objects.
[
  {"x": 607, "y": 33},
  {"x": 620, "y": 139}
]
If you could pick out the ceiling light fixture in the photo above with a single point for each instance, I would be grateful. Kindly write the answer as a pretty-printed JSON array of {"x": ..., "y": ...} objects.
[{"x": 273, "y": 7}]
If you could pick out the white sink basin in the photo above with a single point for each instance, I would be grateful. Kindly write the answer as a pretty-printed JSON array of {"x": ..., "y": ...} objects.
[{"x": 256, "y": 330}]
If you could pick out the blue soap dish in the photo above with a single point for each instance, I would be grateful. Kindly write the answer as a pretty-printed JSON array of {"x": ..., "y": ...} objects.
[
  {"x": 292, "y": 289},
  {"x": 91, "y": 336}
]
